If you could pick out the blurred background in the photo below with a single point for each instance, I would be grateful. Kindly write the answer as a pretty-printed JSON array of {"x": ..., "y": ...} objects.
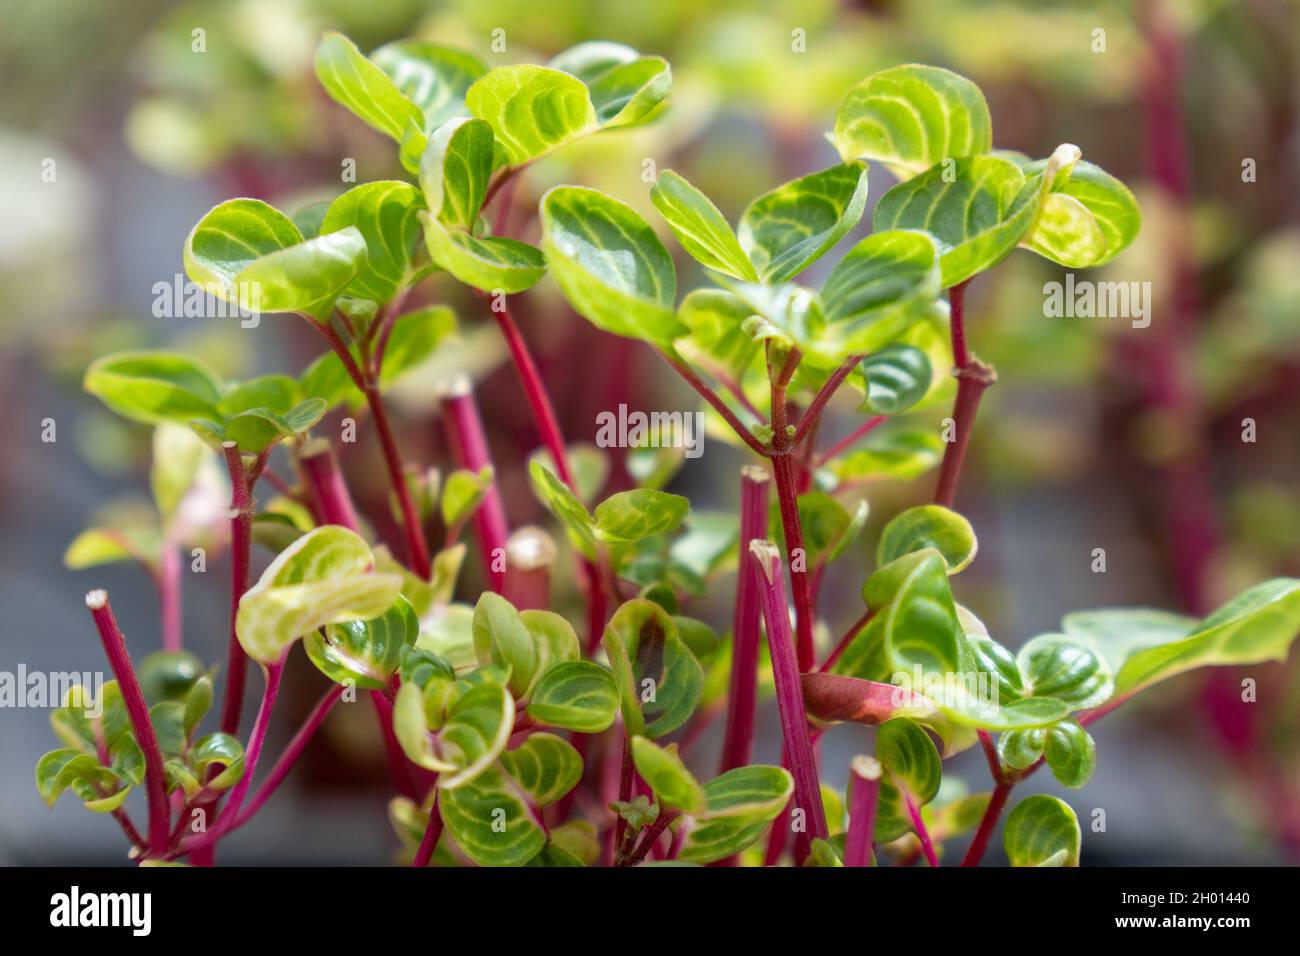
[{"x": 116, "y": 135}]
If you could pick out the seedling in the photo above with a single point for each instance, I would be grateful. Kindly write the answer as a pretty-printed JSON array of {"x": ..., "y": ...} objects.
[{"x": 500, "y": 717}]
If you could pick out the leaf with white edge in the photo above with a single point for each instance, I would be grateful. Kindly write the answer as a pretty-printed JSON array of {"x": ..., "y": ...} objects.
[
  {"x": 364, "y": 88},
  {"x": 739, "y": 806},
  {"x": 366, "y": 653},
  {"x": 476, "y": 727},
  {"x": 1057, "y": 666},
  {"x": 1042, "y": 831},
  {"x": 627, "y": 89},
  {"x": 455, "y": 169},
  {"x": 575, "y": 695},
  {"x": 900, "y": 453},
  {"x": 1144, "y": 647},
  {"x": 978, "y": 211},
  {"x": 920, "y": 625},
  {"x": 532, "y": 109},
  {"x": 384, "y": 213},
  {"x": 501, "y": 637},
  {"x": 642, "y": 513},
  {"x": 97, "y": 786},
  {"x": 435, "y": 78},
  {"x": 494, "y": 263},
  {"x": 672, "y": 784},
  {"x": 928, "y": 526},
  {"x": 217, "y": 751},
  {"x": 565, "y": 506},
  {"x": 1070, "y": 752},
  {"x": 230, "y": 237},
  {"x": 554, "y": 639},
  {"x": 786, "y": 230},
  {"x": 155, "y": 387},
  {"x": 789, "y": 314},
  {"x": 325, "y": 577},
  {"x": 912, "y": 772},
  {"x": 700, "y": 227},
  {"x": 491, "y": 820},
  {"x": 1086, "y": 221},
  {"x": 307, "y": 277},
  {"x": 578, "y": 838},
  {"x": 657, "y": 676},
  {"x": 717, "y": 336},
  {"x": 609, "y": 264},
  {"x": 895, "y": 378},
  {"x": 912, "y": 117},
  {"x": 546, "y": 766}
]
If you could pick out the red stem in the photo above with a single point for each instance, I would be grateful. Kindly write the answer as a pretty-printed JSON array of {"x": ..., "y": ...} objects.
[
  {"x": 973, "y": 377},
  {"x": 256, "y": 741},
  {"x": 123, "y": 671},
  {"x": 823, "y": 396},
  {"x": 849, "y": 440},
  {"x": 988, "y": 823},
  {"x": 789, "y": 691},
  {"x": 783, "y": 466},
  {"x": 846, "y": 640},
  {"x": 715, "y": 400},
  {"x": 530, "y": 555},
  {"x": 320, "y": 470},
  {"x": 398, "y": 763},
  {"x": 469, "y": 445},
  {"x": 918, "y": 824},
  {"x": 241, "y": 543},
  {"x": 864, "y": 796},
  {"x": 416, "y": 547},
  {"x": 738, "y": 736},
  {"x": 651, "y": 837},
  {"x": 432, "y": 833}
]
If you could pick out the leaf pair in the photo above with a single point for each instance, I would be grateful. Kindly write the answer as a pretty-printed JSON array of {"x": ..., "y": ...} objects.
[{"x": 723, "y": 816}]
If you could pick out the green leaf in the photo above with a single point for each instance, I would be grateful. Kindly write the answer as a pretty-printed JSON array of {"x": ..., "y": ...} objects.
[
  {"x": 1042, "y": 831},
  {"x": 325, "y": 577},
  {"x": 1071, "y": 753},
  {"x": 531, "y": 109},
  {"x": 564, "y": 505},
  {"x": 501, "y": 637},
  {"x": 218, "y": 750},
  {"x": 656, "y": 674},
  {"x": 993, "y": 659},
  {"x": 700, "y": 227},
  {"x": 154, "y": 387},
  {"x": 1086, "y": 221},
  {"x": 462, "y": 494},
  {"x": 197, "y": 703},
  {"x": 477, "y": 719},
  {"x": 1057, "y": 666},
  {"x": 365, "y": 653},
  {"x": 553, "y": 637},
  {"x": 978, "y": 209},
  {"x": 363, "y": 88},
  {"x": 1020, "y": 749},
  {"x": 100, "y": 788},
  {"x": 576, "y": 695},
  {"x": 673, "y": 785},
  {"x": 740, "y": 805},
  {"x": 911, "y": 117},
  {"x": 626, "y": 88},
  {"x": 901, "y": 453},
  {"x": 96, "y": 546},
  {"x": 717, "y": 335},
  {"x": 384, "y": 213},
  {"x": 491, "y": 820},
  {"x": 609, "y": 264},
  {"x": 880, "y": 289},
  {"x": 1144, "y": 647},
  {"x": 490, "y": 265},
  {"x": 895, "y": 378},
  {"x": 307, "y": 277},
  {"x": 179, "y": 456},
  {"x": 229, "y": 238},
  {"x": 920, "y": 625},
  {"x": 928, "y": 526},
  {"x": 642, "y": 513},
  {"x": 455, "y": 169},
  {"x": 546, "y": 766},
  {"x": 912, "y": 771},
  {"x": 786, "y": 230},
  {"x": 435, "y": 78},
  {"x": 168, "y": 675}
]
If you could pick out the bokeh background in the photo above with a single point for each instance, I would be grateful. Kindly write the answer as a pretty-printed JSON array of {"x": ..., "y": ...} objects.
[{"x": 1097, "y": 435}]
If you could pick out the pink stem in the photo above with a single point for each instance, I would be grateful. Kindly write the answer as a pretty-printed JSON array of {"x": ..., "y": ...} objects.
[
  {"x": 256, "y": 741},
  {"x": 530, "y": 555},
  {"x": 988, "y": 823},
  {"x": 918, "y": 824},
  {"x": 789, "y": 692},
  {"x": 846, "y": 640},
  {"x": 824, "y": 395},
  {"x": 715, "y": 400},
  {"x": 320, "y": 469},
  {"x": 432, "y": 833},
  {"x": 738, "y": 736},
  {"x": 469, "y": 445},
  {"x": 864, "y": 796},
  {"x": 972, "y": 378},
  {"x": 416, "y": 547},
  {"x": 241, "y": 544},
  {"x": 123, "y": 671},
  {"x": 849, "y": 440},
  {"x": 169, "y": 596}
]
